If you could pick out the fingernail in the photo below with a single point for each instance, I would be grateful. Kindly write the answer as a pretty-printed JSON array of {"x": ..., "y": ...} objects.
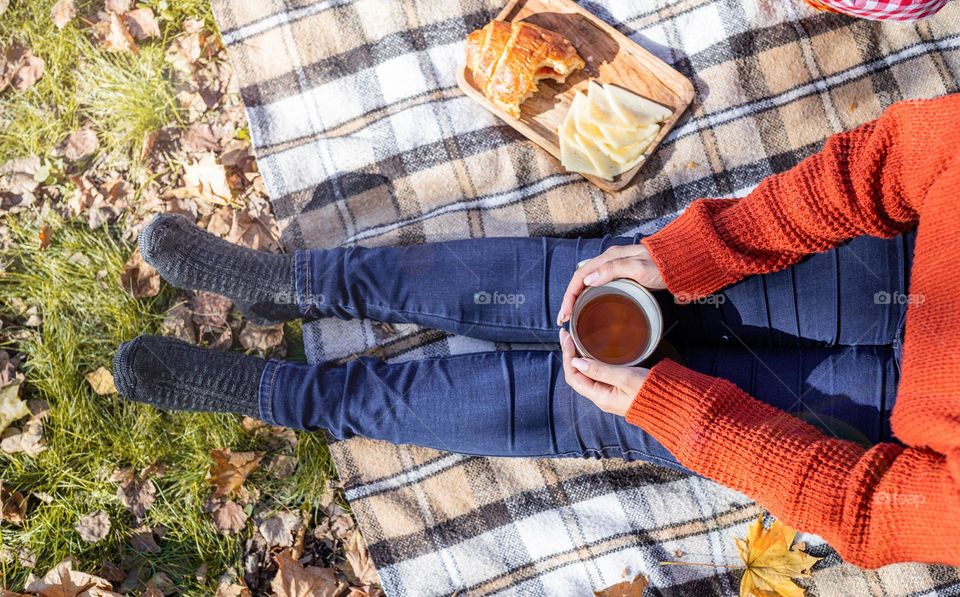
[
  {"x": 559, "y": 318},
  {"x": 580, "y": 364},
  {"x": 591, "y": 278}
]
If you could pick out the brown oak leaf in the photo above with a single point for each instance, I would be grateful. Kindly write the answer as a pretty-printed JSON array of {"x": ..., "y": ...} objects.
[
  {"x": 64, "y": 581},
  {"x": 230, "y": 469},
  {"x": 295, "y": 580}
]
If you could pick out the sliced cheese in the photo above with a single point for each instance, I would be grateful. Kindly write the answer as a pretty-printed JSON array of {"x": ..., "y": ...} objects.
[
  {"x": 603, "y": 166},
  {"x": 605, "y": 133},
  {"x": 585, "y": 125},
  {"x": 599, "y": 108},
  {"x": 572, "y": 158},
  {"x": 633, "y": 108}
]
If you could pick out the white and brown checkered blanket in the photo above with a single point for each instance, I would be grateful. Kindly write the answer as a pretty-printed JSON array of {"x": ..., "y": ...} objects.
[{"x": 363, "y": 137}]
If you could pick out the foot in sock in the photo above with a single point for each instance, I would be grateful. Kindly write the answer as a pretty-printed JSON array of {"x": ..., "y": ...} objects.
[
  {"x": 260, "y": 284},
  {"x": 173, "y": 375}
]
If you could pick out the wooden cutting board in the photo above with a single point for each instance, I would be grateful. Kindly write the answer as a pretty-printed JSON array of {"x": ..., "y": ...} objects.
[{"x": 610, "y": 56}]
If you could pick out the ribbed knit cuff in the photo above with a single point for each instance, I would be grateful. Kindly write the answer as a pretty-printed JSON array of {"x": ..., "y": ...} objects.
[
  {"x": 667, "y": 404},
  {"x": 682, "y": 254}
]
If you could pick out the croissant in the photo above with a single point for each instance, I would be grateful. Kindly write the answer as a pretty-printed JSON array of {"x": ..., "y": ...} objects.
[{"x": 508, "y": 59}]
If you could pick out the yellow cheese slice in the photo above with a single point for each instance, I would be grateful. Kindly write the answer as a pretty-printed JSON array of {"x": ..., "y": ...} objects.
[
  {"x": 572, "y": 158},
  {"x": 600, "y": 110},
  {"x": 584, "y": 124},
  {"x": 604, "y": 167},
  {"x": 632, "y": 108}
]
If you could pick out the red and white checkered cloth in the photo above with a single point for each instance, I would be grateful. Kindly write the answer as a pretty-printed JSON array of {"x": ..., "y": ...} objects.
[{"x": 882, "y": 10}]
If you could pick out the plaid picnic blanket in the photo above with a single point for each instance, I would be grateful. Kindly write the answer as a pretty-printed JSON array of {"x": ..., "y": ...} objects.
[{"x": 363, "y": 137}]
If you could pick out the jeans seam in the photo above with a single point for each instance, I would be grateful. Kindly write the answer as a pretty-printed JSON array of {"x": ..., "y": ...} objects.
[{"x": 454, "y": 319}]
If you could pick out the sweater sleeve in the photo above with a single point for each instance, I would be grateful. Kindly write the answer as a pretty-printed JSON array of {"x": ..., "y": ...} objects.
[
  {"x": 875, "y": 506},
  {"x": 861, "y": 182}
]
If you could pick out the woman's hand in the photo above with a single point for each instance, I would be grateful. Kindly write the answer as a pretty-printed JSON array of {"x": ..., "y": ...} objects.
[
  {"x": 625, "y": 261},
  {"x": 611, "y": 388}
]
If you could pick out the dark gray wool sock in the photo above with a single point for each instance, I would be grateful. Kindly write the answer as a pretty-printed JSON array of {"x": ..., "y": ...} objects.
[
  {"x": 173, "y": 375},
  {"x": 260, "y": 284}
]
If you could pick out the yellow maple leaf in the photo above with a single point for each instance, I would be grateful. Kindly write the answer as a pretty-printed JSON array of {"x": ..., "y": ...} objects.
[{"x": 772, "y": 561}]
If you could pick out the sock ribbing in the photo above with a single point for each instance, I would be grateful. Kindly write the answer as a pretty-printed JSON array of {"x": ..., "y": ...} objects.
[{"x": 261, "y": 284}]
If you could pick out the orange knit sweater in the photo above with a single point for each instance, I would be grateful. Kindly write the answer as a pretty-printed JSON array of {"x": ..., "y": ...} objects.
[{"x": 892, "y": 502}]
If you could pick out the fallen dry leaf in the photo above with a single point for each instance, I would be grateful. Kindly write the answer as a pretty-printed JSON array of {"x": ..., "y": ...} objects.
[
  {"x": 360, "y": 562},
  {"x": 81, "y": 144},
  {"x": 117, "y": 6},
  {"x": 279, "y": 529},
  {"x": 627, "y": 588},
  {"x": 229, "y": 517},
  {"x": 295, "y": 580},
  {"x": 20, "y": 69},
  {"x": 207, "y": 180},
  {"x": 199, "y": 138},
  {"x": 230, "y": 469},
  {"x": 143, "y": 540},
  {"x": 44, "y": 236},
  {"x": 228, "y": 588},
  {"x": 137, "y": 493},
  {"x": 261, "y": 337},
  {"x": 186, "y": 49},
  {"x": 112, "y": 34},
  {"x": 139, "y": 278},
  {"x": 13, "y": 506},
  {"x": 112, "y": 572},
  {"x": 93, "y": 527},
  {"x": 101, "y": 381},
  {"x": 210, "y": 310},
  {"x": 29, "y": 437},
  {"x": 63, "y": 12},
  {"x": 11, "y": 407},
  {"x": 8, "y": 368},
  {"x": 772, "y": 561},
  {"x": 142, "y": 23},
  {"x": 253, "y": 232},
  {"x": 178, "y": 323},
  {"x": 63, "y": 581}
]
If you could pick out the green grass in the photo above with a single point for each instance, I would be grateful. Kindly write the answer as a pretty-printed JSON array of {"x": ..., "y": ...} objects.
[
  {"x": 85, "y": 316},
  {"x": 125, "y": 96}
]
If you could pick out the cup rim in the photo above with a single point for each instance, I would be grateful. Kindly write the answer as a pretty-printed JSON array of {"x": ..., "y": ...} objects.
[{"x": 648, "y": 303}]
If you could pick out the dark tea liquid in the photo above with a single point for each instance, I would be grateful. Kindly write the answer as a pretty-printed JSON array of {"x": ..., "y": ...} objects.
[{"x": 613, "y": 329}]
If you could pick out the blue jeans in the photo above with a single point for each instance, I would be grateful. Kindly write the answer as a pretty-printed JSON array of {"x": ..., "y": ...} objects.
[{"x": 819, "y": 339}]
